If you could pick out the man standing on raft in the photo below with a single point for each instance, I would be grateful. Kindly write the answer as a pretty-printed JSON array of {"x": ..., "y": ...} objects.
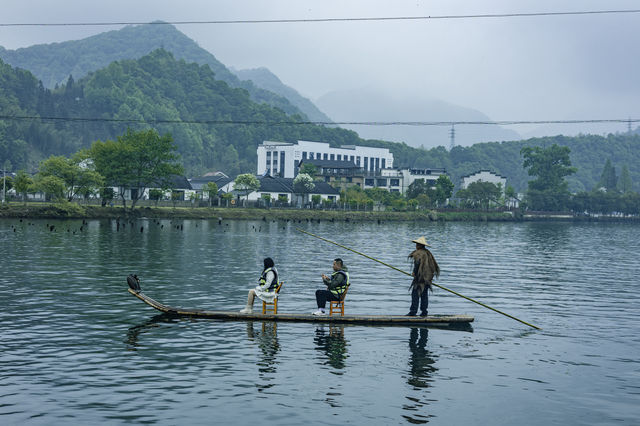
[{"x": 424, "y": 268}]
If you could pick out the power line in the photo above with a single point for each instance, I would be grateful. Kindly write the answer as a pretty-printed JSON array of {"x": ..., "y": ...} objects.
[
  {"x": 321, "y": 20},
  {"x": 321, "y": 123}
]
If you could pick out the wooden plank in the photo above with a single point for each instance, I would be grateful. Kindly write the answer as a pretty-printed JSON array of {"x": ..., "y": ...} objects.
[{"x": 433, "y": 320}]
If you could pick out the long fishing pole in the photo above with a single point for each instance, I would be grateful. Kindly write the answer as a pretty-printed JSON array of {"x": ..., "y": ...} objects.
[{"x": 406, "y": 273}]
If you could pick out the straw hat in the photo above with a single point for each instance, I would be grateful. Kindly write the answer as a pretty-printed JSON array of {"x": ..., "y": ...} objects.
[{"x": 421, "y": 240}]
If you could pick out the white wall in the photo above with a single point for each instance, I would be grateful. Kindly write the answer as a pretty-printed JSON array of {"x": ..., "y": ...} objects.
[
  {"x": 294, "y": 152},
  {"x": 484, "y": 176}
]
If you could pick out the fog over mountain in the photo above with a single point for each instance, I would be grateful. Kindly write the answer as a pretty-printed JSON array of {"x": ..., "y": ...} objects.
[
  {"x": 264, "y": 78},
  {"x": 530, "y": 60},
  {"x": 371, "y": 105}
]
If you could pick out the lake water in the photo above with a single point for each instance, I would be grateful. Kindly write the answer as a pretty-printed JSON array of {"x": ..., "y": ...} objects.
[{"x": 77, "y": 348}]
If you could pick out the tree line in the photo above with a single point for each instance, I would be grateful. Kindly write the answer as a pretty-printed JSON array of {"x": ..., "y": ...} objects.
[
  {"x": 216, "y": 127},
  {"x": 144, "y": 159}
]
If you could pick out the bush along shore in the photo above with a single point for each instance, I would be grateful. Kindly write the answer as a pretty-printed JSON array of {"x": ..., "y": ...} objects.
[
  {"x": 68, "y": 210},
  {"x": 76, "y": 211}
]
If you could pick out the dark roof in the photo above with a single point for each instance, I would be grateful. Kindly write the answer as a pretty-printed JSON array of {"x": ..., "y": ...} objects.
[
  {"x": 199, "y": 182},
  {"x": 330, "y": 164},
  {"x": 180, "y": 182},
  {"x": 275, "y": 184},
  {"x": 285, "y": 185},
  {"x": 483, "y": 170}
]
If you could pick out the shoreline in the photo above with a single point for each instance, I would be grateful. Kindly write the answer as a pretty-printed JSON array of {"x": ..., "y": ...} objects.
[{"x": 75, "y": 211}]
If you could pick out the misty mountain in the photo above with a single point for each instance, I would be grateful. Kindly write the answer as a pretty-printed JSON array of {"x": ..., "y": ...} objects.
[
  {"x": 205, "y": 116},
  {"x": 369, "y": 105},
  {"x": 216, "y": 127},
  {"x": 54, "y": 63},
  {"x": 265, "y": 79}
]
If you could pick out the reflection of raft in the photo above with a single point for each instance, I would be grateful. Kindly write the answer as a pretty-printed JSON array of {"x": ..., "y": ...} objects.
[{"x": 456, "y": 321}]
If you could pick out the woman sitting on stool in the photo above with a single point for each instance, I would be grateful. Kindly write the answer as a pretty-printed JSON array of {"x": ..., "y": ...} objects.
[{"x": 266, "y": 288}]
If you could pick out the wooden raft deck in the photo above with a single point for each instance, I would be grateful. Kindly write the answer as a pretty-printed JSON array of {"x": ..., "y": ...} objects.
[{"x": 431, "y": 320}]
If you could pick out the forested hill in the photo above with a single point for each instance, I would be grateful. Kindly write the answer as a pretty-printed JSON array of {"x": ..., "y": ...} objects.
[
  {"x": 53, "y": 63},
  {"x": 589, "y": 154},
  {"x": 205, "y": 117},
  {"x": 154, "y": 87}
]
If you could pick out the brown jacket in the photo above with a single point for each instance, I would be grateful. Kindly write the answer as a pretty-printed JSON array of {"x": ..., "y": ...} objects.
[{"x": 424, "y": 268}]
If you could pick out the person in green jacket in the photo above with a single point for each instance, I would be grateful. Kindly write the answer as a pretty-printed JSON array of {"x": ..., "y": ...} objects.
[{"x": 336, "y": 284}]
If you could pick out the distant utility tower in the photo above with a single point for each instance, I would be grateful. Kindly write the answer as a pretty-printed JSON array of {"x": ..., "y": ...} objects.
[
  {"x": 452, "y": 136},
  {"x": 629, "y": 125}
]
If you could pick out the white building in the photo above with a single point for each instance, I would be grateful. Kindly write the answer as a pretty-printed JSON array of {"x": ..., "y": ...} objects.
[
  {"x": 484, "y": 176},
  {"x": 282, "y": 158},
  {"x": 399, "y": 180},
  {"x": 430, "y": 177},
  {"x": 277, "y": 187}
]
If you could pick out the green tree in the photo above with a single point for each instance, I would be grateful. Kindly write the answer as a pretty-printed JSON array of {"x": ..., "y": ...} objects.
[
  {"x": 608, "y": 179},
  {"x": 106, "y": 195},
  {"x": 480, "y": 194},
  {"x": 549, "y": 191},
  {"x": 510, "y": 195},
  {"x": 378, "y": 195},
  {"x": 227, "y": 196},
  {"x": 356, "y": 197},
  {"x": 52, "y": 186},
  {"x": 156, "y": 195},
  {"x": 23, "y": 184},
  {"x": 137, "y": 160},
  {"x": 625, "y": 184},
  {"x": 303, "y": 184},
  {"x": 444, "y": 189},
  {"x": 316, "y": 199},
  {"x": 7, "y": 183},
  {"x": 246, "y": 183},
  {"x": 309, "y": 169},
  {"x": 77, "y": 174},
  {"x": 212, "y": 191},
  {"x": 422, "y": 201},
  {"x": 6, "y": 180},
  {"x": 417, "y": 187},
  {"x": 283, "y": 199}
]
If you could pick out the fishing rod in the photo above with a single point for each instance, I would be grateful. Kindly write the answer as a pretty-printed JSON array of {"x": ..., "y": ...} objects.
[{"x": 406, "y": 273}]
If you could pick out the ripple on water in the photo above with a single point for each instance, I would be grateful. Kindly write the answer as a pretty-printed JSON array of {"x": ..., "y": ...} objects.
[{"x": 78, "y": 348}]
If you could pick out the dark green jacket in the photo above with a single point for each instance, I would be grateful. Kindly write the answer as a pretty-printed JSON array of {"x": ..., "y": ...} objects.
[{"x": 338, "y": 281}]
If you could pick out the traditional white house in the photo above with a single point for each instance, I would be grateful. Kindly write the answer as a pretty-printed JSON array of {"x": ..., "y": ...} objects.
[
  {"x": 484, "y": 176},
  {"x": 277, "y": 188},
  {"x": 224, "y": 183},
  {"x": 179, "y": 186},
  {"x": 399, "y": 180}
]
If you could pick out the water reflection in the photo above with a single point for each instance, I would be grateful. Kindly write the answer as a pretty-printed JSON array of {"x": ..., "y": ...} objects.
[
  {"x": 420, "y": 362},
  {"x": 267, "y": 340},
  {"x": 421, "y": 369},
  {"x": 133, "y": 333},
  {"x": 333, "y": 344}
]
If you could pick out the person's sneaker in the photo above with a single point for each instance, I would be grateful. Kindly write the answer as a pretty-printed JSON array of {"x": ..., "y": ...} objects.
[
  {"x": 423, "y": 314},
  {"x": 318, "y": 313},
  {"x": 410, "y": 315}
]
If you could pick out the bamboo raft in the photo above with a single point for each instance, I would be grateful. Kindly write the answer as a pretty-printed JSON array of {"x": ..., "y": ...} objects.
[{"x": 445, "y": 321}]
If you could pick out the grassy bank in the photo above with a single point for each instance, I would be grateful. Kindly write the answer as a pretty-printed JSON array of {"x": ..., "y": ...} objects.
[{"x": 72, "y": 210}]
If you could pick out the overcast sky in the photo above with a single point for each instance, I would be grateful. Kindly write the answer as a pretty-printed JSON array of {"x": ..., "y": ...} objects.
[{"x": 521, "y": 68}]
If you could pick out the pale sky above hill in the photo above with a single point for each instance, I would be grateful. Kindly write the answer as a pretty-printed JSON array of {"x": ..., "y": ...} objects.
[{"x": 519, "y": 68}]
